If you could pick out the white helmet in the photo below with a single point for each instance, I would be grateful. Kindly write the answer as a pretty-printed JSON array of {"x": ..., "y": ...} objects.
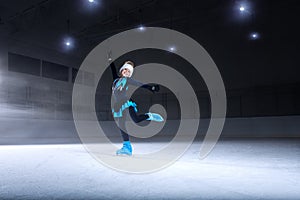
[{"x": 127, "y": 66}]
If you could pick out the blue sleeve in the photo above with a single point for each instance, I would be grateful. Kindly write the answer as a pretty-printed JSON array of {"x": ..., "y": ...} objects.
[
  {"x": 151, "y": 87},
  {"x": 136, "y": 83}
]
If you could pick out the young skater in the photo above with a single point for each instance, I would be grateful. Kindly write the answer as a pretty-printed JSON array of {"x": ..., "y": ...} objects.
[{"x": 123, "y": 105}]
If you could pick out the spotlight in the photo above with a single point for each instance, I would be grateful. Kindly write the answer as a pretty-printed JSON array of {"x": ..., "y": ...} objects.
[
  {"x": 91, "y": 5},
  {"x": 244, "y": 7},
  {"x": 172, "y": 49},
  {"x": 68, "y": 42},
  {"x": 141, "y": 28},
  {"x": 254, "y": 36}
]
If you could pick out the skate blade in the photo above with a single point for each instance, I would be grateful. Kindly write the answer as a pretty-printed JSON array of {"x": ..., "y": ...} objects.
[{"x": 123, "y": 155}]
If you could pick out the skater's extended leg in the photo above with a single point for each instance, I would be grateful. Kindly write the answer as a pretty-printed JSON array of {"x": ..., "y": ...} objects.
[
  {"x": 137, "y": 118},
  {"x": 147, "y": 116}
]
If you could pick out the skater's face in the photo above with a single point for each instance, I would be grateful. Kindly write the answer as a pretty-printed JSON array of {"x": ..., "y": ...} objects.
[{"x": 125, "y": 72}]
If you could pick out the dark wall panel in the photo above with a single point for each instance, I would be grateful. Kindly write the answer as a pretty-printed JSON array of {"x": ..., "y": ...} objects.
[
  {"x": 23, "y": 64},
  {"x": 55, "y": 71}
]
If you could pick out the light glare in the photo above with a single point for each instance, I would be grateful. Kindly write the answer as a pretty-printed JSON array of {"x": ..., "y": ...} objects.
[
  {"x": 254, "y": 36},
  {"x": 172, "y": 49},
  {"x": 141, "y": 28}
]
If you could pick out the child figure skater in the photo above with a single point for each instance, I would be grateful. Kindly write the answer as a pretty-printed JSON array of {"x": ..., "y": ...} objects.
[{"x": 123, "y": 105}]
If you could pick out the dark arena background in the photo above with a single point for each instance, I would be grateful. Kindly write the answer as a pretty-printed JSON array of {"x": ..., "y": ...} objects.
[{"x": 255, "y": 46}]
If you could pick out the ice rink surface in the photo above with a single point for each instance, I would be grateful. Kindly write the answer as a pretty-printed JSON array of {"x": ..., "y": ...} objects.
[{"x": 235, "y": 169}]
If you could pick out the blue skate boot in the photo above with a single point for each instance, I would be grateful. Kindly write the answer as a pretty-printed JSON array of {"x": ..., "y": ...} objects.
[
  {"x": 155, "y": 117},
  {"x": 125, "y": 150}
]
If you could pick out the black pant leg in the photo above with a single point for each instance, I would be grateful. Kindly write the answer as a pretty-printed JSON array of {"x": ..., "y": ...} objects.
[
  {"x": 122, "y": 127},
  {"x": 137, "y": 118}
]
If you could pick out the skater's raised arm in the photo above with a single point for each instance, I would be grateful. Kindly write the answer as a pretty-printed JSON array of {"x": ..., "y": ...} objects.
[{"x": 114, "y": 70}]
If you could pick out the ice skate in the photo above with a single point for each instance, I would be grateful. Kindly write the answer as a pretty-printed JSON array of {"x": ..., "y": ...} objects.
[
  {"x": 125, "y": 150},
  {"x": 155, "y": 117}
]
